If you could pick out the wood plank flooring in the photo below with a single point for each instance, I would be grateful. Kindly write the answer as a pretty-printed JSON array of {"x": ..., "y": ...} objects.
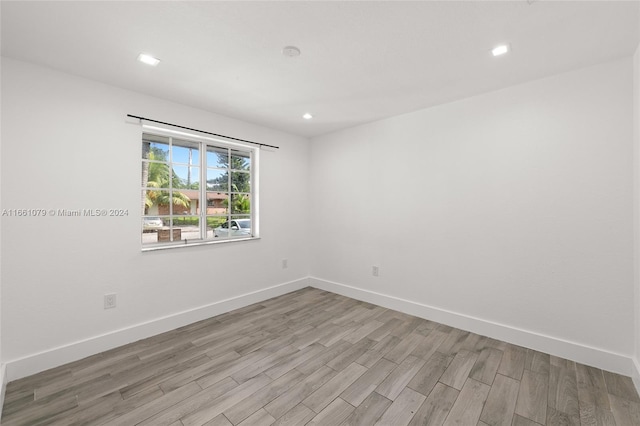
[{"x": 316, "y": 358}]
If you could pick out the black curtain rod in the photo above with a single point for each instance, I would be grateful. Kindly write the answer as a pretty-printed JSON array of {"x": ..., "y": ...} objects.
[{"x": 202, "y": 131}]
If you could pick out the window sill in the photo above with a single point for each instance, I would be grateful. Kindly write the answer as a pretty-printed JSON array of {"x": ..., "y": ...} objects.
[{"x": 196, "y": 243}]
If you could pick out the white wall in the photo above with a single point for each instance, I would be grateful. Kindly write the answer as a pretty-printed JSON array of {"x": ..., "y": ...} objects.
[
  {"x": 66, "y": 144},
  {"x": 507, "y": 213}
]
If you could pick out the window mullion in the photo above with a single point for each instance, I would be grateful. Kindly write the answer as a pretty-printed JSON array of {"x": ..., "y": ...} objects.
[
  {"x": 230, "y": 203},
  {"x": 171, "y": 189},
  {"x": 204, "y": 206},
  {"x": 253, "y": 188}
]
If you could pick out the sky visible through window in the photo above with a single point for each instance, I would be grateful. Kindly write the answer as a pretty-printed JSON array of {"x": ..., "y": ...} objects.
[{"x": 185, "y": 153}]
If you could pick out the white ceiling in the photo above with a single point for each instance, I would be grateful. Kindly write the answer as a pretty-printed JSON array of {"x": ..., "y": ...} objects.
[{"x": 361, "y": 61}]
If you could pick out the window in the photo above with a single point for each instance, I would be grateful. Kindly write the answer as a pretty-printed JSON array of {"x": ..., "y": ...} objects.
[{"x": 196, "y": 191}]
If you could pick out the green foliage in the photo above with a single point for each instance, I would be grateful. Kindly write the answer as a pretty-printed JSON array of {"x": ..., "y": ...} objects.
[
  {"x": 185, "y": 220},
  {"x": 214, "y": 222},
  {"x": 240, "y": 203},
  {"x": 159, "y": 178},
  {"x": 158, "y": 154},
  {"x": 240, "y": 181}
]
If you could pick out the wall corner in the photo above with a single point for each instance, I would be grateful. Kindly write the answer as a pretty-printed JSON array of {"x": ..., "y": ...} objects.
[{"x": 636, "y": 217}]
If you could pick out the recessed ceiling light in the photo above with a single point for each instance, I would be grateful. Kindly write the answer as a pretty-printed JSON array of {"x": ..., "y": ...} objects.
[
  {"x": 500, "y": 50},
  {"x": 148, "y": 59},
  {"x": 307, "y": 116},
  {"x": 290, "y": 51}
]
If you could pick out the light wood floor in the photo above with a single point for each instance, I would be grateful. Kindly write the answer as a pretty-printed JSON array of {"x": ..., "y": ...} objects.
[{"x": 317, "y": 358}]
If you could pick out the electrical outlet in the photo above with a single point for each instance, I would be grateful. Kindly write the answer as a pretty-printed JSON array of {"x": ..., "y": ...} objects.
[
  {"x": 375, "y": 271},
  {"x": 109, "y": 301},
  {"x": 285, "y": 263}
]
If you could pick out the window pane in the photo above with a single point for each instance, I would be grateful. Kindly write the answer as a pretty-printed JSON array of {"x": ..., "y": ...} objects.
[
  {"x": 156, "y": 201},
  {"x": 240, "y": 182},
  {"x": 182, "y": 202},
  {"x": 155, "y": 175},
  {"x": 239, "y": 226},
  {"x": 240, "y": 160},
  {"x": 167, "y": 235},
  {"x": 185, "y": 152},
  {"x": 222, "y": 229},
  {"x": 143, "y": 202},
  {"x": 188, "y": 227},
  {"x": 217, "y": 180},
  {"x": 217, "y": 203},
  {"x": 243, "y": 221},
  {"x": 240, "y": 203},
  {"x": 214, "y": 222},
  {"x": 217, "y": 157},
  {"x": 155, "y": 147},
  {"x": 151, "y": 225},
  {"x": 186, "y": 177},
  {"x": 145, "y": 173},
  {"x": 147, "y": 203}
]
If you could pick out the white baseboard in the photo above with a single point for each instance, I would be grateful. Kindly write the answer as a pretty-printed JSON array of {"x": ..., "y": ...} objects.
[
  {"x": 35, "y": 363},
  {"x": 3, "y": 383},
  {"x": 54, "y": 357},
  {"x": 595, "y": 357},
  {"x": 635, "y": 375}
]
